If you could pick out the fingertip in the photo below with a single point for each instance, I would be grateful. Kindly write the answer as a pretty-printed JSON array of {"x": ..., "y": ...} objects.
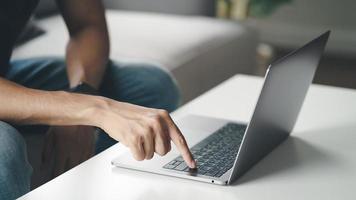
[{"x": 190, "y": 161}]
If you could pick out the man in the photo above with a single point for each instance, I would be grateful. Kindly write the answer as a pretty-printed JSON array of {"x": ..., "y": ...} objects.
[{"x": 113, "y": 97}]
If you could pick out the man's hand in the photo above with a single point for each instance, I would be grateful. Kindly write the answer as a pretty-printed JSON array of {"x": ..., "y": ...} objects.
[
  {"x": 143, "y": 130},
  {"x": 68, "y": 146}
]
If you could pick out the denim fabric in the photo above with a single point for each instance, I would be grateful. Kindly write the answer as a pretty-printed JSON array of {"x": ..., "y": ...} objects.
[
  {"x": 15, "y": 170},
  {"x": 137, "y": 83}
]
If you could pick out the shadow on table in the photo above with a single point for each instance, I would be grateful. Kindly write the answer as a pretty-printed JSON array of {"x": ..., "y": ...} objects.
[{"x": 292, "y": 154}]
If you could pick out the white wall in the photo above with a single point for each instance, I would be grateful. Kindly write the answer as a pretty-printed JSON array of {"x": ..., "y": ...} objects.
[{"x": 296, "y": 23}]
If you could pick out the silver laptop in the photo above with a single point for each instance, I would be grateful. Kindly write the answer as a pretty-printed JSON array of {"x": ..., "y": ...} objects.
[{"x": 225, "y": 150}]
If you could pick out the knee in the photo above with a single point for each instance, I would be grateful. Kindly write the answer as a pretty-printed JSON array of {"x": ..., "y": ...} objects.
[
  {"x": 12, "y": 144},
  {"x": 146, "y": 84},
  {"x": 15, "y": 171},
  {"x": 161, "y": 86}
]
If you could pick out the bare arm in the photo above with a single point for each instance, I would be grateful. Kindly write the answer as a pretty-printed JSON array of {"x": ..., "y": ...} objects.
[
  {"x": 28, "y": 106},
  {"x": 88, "y": 47},
  {"x": 143, "y": 130}
]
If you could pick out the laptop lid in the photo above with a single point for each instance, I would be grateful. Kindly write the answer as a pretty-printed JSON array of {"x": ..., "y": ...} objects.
[{"x": 285, "y": 86}]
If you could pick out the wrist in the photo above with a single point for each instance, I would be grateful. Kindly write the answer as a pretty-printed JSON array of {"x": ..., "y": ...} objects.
[
  {"x": 75, "y": 109},
  {"x": 97, "y": 112}
]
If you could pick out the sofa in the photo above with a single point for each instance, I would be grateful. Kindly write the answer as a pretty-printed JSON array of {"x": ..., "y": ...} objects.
[{"x": 199, "y": 51}]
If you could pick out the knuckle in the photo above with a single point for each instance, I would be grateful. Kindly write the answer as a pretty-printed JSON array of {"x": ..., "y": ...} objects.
[
  {"x": 155, "y": 124},
  {"x": 162, "y": 151},
  {"x": 147, "y": 128},
  {"x": 135, "y": 139},
  {"x": 147, "y": 133},
  {"x": 163, "y": 113},
  {"x": 150, "y": 121},
  {"x": 156, "y": 118}
]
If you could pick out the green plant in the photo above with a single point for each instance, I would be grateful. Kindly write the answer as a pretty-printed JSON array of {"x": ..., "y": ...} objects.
[
  {"x": 262, "y": 8},
  {"x": 242, "y": 9}
]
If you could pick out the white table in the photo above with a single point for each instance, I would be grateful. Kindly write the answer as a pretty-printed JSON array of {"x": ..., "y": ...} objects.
[{"x": 317, "y": 162}]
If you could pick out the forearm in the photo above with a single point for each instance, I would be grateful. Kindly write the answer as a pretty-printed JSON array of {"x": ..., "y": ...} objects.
[
  {"x": 21, "y": 105},
  {"x": 87, "y": 56}
]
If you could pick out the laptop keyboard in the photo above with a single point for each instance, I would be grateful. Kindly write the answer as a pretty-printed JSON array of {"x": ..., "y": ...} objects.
[{"x": 215, "y": 154}]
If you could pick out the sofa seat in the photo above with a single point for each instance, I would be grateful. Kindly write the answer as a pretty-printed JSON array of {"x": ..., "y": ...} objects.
[{"x": 200, "y": 52}]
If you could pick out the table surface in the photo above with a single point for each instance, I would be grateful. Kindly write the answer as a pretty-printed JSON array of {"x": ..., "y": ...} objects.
[{"x": 317, "y": 162}]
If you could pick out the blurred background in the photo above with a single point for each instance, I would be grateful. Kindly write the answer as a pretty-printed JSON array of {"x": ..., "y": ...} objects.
[
  {"x": 288, "y": 25},
  {"x": 280, "y": 25}
]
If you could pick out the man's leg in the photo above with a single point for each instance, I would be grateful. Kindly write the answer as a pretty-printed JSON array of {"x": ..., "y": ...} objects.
[
  {"x": 39, "y": 73},
  {"x": 15, "y": 170},
  {"x": 141, "y": 84},
  {"x": 137, "y": 83}
]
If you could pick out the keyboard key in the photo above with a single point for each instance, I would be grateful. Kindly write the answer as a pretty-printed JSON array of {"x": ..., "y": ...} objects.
[
  {"x": 211, "y": 173},
  {"x": 169, "y": 166},
  {"x": 201, "y": 172},
  {"x": 172, "y": 162},
  {"x": 179, "y": 158},
  {"x": 181, "y": 167}
]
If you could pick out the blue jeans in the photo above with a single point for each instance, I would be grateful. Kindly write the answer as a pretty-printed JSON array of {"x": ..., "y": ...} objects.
[{"x": 141, "y": 84}]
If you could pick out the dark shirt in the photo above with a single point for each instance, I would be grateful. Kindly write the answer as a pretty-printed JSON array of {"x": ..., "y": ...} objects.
[{"x": 14, "y": 15}]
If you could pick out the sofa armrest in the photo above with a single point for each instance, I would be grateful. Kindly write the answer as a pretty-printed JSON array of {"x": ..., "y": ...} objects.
[{"x": 180, "y": 7}]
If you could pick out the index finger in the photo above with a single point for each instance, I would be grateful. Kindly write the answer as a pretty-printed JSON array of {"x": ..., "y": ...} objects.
[{"x": 179, "y": 140}]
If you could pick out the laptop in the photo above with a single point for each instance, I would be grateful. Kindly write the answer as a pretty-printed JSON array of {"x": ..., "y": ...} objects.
[{"x": 225, "y": 149}]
